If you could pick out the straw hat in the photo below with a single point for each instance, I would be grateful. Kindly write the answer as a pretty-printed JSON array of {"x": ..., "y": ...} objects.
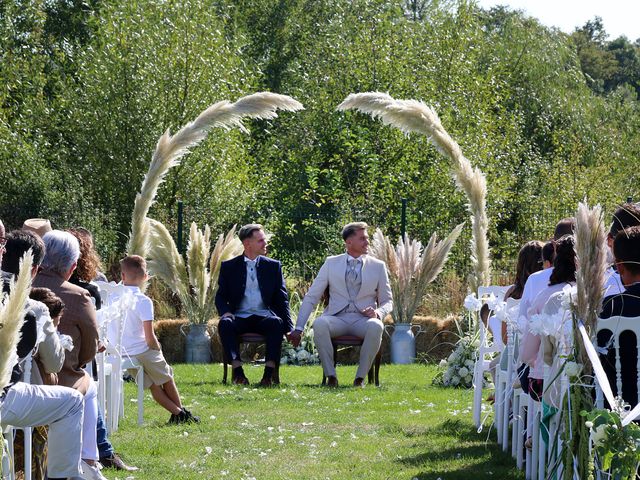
[{"x": 39, "y": 226}]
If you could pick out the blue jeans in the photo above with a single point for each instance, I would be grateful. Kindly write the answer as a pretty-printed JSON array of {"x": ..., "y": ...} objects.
[{"x": 105, "y": 449}]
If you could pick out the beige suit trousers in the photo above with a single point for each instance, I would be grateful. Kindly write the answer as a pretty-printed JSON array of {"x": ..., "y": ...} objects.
[{"x": 325, "y": 327}]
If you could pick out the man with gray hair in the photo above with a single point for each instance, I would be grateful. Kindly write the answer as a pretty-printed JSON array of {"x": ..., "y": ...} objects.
[
  {"x": 79, "y": 322},
  {"x": 359, "y": 299}
]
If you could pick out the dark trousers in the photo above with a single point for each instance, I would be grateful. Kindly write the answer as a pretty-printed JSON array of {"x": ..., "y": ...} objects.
[{"x": 271, "y": 327}]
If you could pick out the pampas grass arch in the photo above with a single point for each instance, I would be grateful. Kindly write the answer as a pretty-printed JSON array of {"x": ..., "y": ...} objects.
[
  {"x": 414, "y": 116},
  {"x": 194, "y": 281}
]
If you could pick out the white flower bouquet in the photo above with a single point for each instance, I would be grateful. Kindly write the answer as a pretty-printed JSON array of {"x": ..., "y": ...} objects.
[{"x": 457, "y": 369}]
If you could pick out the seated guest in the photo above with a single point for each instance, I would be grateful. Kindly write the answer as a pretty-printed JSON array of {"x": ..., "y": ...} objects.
[
  {"x": 529, "y": 261},
  {"x": 540, "y": 280},
  {"x": 359, "y": 299},
  {"x": 626, "y": 250},
  {"x": 564, "y": 273},
  {"x": 88, "y": 265},
  {"x": 140, "y": 342},
  {"x": 548, "y": 254},
  {"x": 86, "y": 270},
  {"x": 252, "y": 297},
  {"x": 79, "y": 322},
  {"x": 627, "y": 215},
  {"x": 26, "y": 405},
  {"x": 537, "y": 282}
]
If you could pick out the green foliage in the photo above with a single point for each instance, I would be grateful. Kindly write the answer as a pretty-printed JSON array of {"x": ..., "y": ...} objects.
[
  {"x": 616, "y": 445},
  {"x": 86, "y": 89}
]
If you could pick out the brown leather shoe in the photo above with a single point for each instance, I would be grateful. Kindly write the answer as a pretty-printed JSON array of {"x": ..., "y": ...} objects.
[
  {"x": 115, "y": 462},
  {"x": 332, "y": 382},
  {"x": 358, "y": 382}
]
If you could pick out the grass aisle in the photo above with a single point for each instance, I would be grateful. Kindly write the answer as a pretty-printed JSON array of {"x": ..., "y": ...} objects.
[{"x": 405, "y": 429}]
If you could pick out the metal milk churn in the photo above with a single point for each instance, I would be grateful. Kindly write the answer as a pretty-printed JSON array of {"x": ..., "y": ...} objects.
[
  {"x": 197, "y": 344},
  {"x": 403, "y": 343}
]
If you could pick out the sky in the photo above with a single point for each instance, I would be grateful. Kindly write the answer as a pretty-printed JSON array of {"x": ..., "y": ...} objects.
[{"x": 620, "y": 17}]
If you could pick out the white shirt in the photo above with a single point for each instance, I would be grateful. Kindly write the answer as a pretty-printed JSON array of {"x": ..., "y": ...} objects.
[
  {"x": 613, "y": 283},
  {"x": 536, "y": 283},
  {"x": 133, "y": 339},
  {"x": 251, "y": 303}
]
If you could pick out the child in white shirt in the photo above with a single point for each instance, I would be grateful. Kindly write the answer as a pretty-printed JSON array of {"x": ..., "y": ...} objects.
[{"x": 140, "y": 342}]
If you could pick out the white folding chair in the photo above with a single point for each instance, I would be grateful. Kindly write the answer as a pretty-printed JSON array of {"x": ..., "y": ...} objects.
[
  {"x": 114, "y": 361},
  {"x": 482, "y": 363},
  {"x": 617, "y": 326},
  {"x": 504, "y": 380}
]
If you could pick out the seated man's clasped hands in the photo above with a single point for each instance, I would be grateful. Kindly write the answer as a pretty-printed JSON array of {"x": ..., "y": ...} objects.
[
  {"x": 359, "y": 299},
  {"x": 252, "y": 298}
]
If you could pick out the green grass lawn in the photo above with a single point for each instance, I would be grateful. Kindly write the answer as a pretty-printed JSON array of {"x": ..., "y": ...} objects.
[{"x": 404, "y": 429}]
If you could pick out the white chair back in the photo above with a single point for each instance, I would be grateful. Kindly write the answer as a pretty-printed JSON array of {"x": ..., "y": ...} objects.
[
  {"x": 111, "y": 320},
  {"x": 482, "y": 364},
  {"x": 618, "y": 326}
]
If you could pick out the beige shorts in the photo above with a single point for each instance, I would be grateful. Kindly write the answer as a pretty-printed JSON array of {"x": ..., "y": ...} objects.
[{"x": 156, "y": 369}]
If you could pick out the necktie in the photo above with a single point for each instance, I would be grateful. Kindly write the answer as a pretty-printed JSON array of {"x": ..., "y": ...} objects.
[
  {"x": 352, "y": 271},
  {"x": 251, "y": 264}
]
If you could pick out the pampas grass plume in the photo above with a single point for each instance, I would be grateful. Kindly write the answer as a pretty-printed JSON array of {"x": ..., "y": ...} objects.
[
  {"x": 12, "y": 317},
  {"x": 414, "y": 116},
  {"x": 411, "y": 268},
  {"x": 591, "y": 259},
  {"x": 170, "y": 149}
]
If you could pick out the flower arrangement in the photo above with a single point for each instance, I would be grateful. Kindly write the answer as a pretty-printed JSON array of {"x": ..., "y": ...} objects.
[
  {"x": 457, "y": 369},
  {"x": 615, "y": 442},
  {"x": 195, "y": 282},
  {"x": 171, "y": 148},
  {"x": 305, "y": 353}
]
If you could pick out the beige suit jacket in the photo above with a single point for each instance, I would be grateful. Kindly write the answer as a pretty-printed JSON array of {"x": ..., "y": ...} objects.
[
  {"x": 79, "y": 322},
  {"x": 375, "y": 290}
]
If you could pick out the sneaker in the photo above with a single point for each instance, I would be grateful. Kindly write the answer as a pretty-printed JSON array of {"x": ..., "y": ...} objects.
[
  {"x": 185, "y": 416},
  {"x": 91, "y": 472},
  {"x": 190, "y": 417}
]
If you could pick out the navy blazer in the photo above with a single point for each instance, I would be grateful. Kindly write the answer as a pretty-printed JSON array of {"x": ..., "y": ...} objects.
[{"x": 233, "y": 280}]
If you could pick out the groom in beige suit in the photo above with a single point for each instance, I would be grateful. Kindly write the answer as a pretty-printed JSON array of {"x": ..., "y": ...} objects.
[{"x": 359, "y": 299}]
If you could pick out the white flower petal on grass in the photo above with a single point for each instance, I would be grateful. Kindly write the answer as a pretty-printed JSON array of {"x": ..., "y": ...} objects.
[
  {"x": 209, "y": 450},
  {"x": 333, "y": 444},
  {"x": 212, "y": 417}
]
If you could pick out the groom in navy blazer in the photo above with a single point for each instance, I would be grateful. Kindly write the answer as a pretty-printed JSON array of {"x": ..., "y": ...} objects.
[{"x": 252, "y": 297}]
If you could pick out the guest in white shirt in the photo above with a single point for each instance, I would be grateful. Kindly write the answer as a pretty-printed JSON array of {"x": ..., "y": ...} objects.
[{"x": 564, "y": 273}]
